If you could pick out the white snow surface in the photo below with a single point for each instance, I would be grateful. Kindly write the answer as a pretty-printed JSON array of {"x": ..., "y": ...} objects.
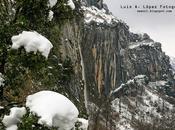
[
  {"x": 84, "y": 123},
  {"x": 94, "y": 14},
  {"x": 159, "y": 84},
  {"x": 1, "y": 80},
  {"x": 13, "y": 127},
  {"x": 32, "y": 42},
  {"x": 143, "y": 43},
  {"x": 71, "y": 4},
  {"x": 1, "y": 107},
  {"x": 50, "y": 17},
  {"x": 172, "y": 62},
  {"x": 53, "y": 109},
  {"x": 52, "y": 3},
  {"x": 10, "y": 121},
  {"x": 118, "y": 89},
  {"x": 140, "y": 79}
]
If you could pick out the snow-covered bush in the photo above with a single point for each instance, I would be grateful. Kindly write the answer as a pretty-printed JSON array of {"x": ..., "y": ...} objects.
[
  {"x": 46, "y": 109},
  {"x": 71, "y": 4},
  {"x": 53, "y": 109},
  {"x": 32, "y": 42}
]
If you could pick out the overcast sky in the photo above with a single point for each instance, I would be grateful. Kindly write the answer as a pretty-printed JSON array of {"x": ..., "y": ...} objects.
[{"x": 160, "y": 26}]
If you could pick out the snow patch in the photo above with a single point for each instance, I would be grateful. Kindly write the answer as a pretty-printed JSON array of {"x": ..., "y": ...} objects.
[
  {"x": 1, "y": 80},
  {"x": 50, "y": 17},
  {"x": 53, "y": 109},
  {"x": 145, "y": 105},
  {"x": 119, "y": 88},
  {"x": 32, "y": 42},
  {"x": 52, "y": 3},
  {"x": 123, "y": 125},
  {"x": 157, "y": 84},
  {"x": 10, "y": 121},
  {"x": 94, "y": 14},
  {"x": 140, "y": 79},
  {"x": 143, "y": 43},
  {"x": 71, "y": 4},
  {"x": 13, "y": 127},
  {"x": 84, "y": 123}
]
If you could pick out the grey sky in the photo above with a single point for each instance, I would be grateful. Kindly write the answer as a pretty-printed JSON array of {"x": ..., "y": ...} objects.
[{"x": 160, "y": 26}]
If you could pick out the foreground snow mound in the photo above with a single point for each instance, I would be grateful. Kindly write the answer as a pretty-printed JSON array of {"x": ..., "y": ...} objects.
[
  {"x": 32, "y": 42},
  {"x": 10, "y": 121},
  {"x": 53, "y": 109}
]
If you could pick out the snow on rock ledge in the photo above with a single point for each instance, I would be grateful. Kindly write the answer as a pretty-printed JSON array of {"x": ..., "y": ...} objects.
[
  {"x": 32, "y": 42},
  {"x": 53, "y": 109},
  {"x": 94, "y": 14},
  {"x": 10, "y": 121}
]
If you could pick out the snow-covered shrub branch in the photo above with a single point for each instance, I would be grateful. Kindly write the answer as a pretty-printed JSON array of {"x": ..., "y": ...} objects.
[{"x": 45, "y": 110}]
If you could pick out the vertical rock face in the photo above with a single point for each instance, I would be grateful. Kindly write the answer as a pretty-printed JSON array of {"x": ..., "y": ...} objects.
[
  {"x": 101, "y": 46},
  {"x": 100, "y": 50},
  {"x": 146, "y": 57}
]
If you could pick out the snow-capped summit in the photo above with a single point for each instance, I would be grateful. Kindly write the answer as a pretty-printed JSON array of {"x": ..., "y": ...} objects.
[{"x": 98, "y": 15}]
